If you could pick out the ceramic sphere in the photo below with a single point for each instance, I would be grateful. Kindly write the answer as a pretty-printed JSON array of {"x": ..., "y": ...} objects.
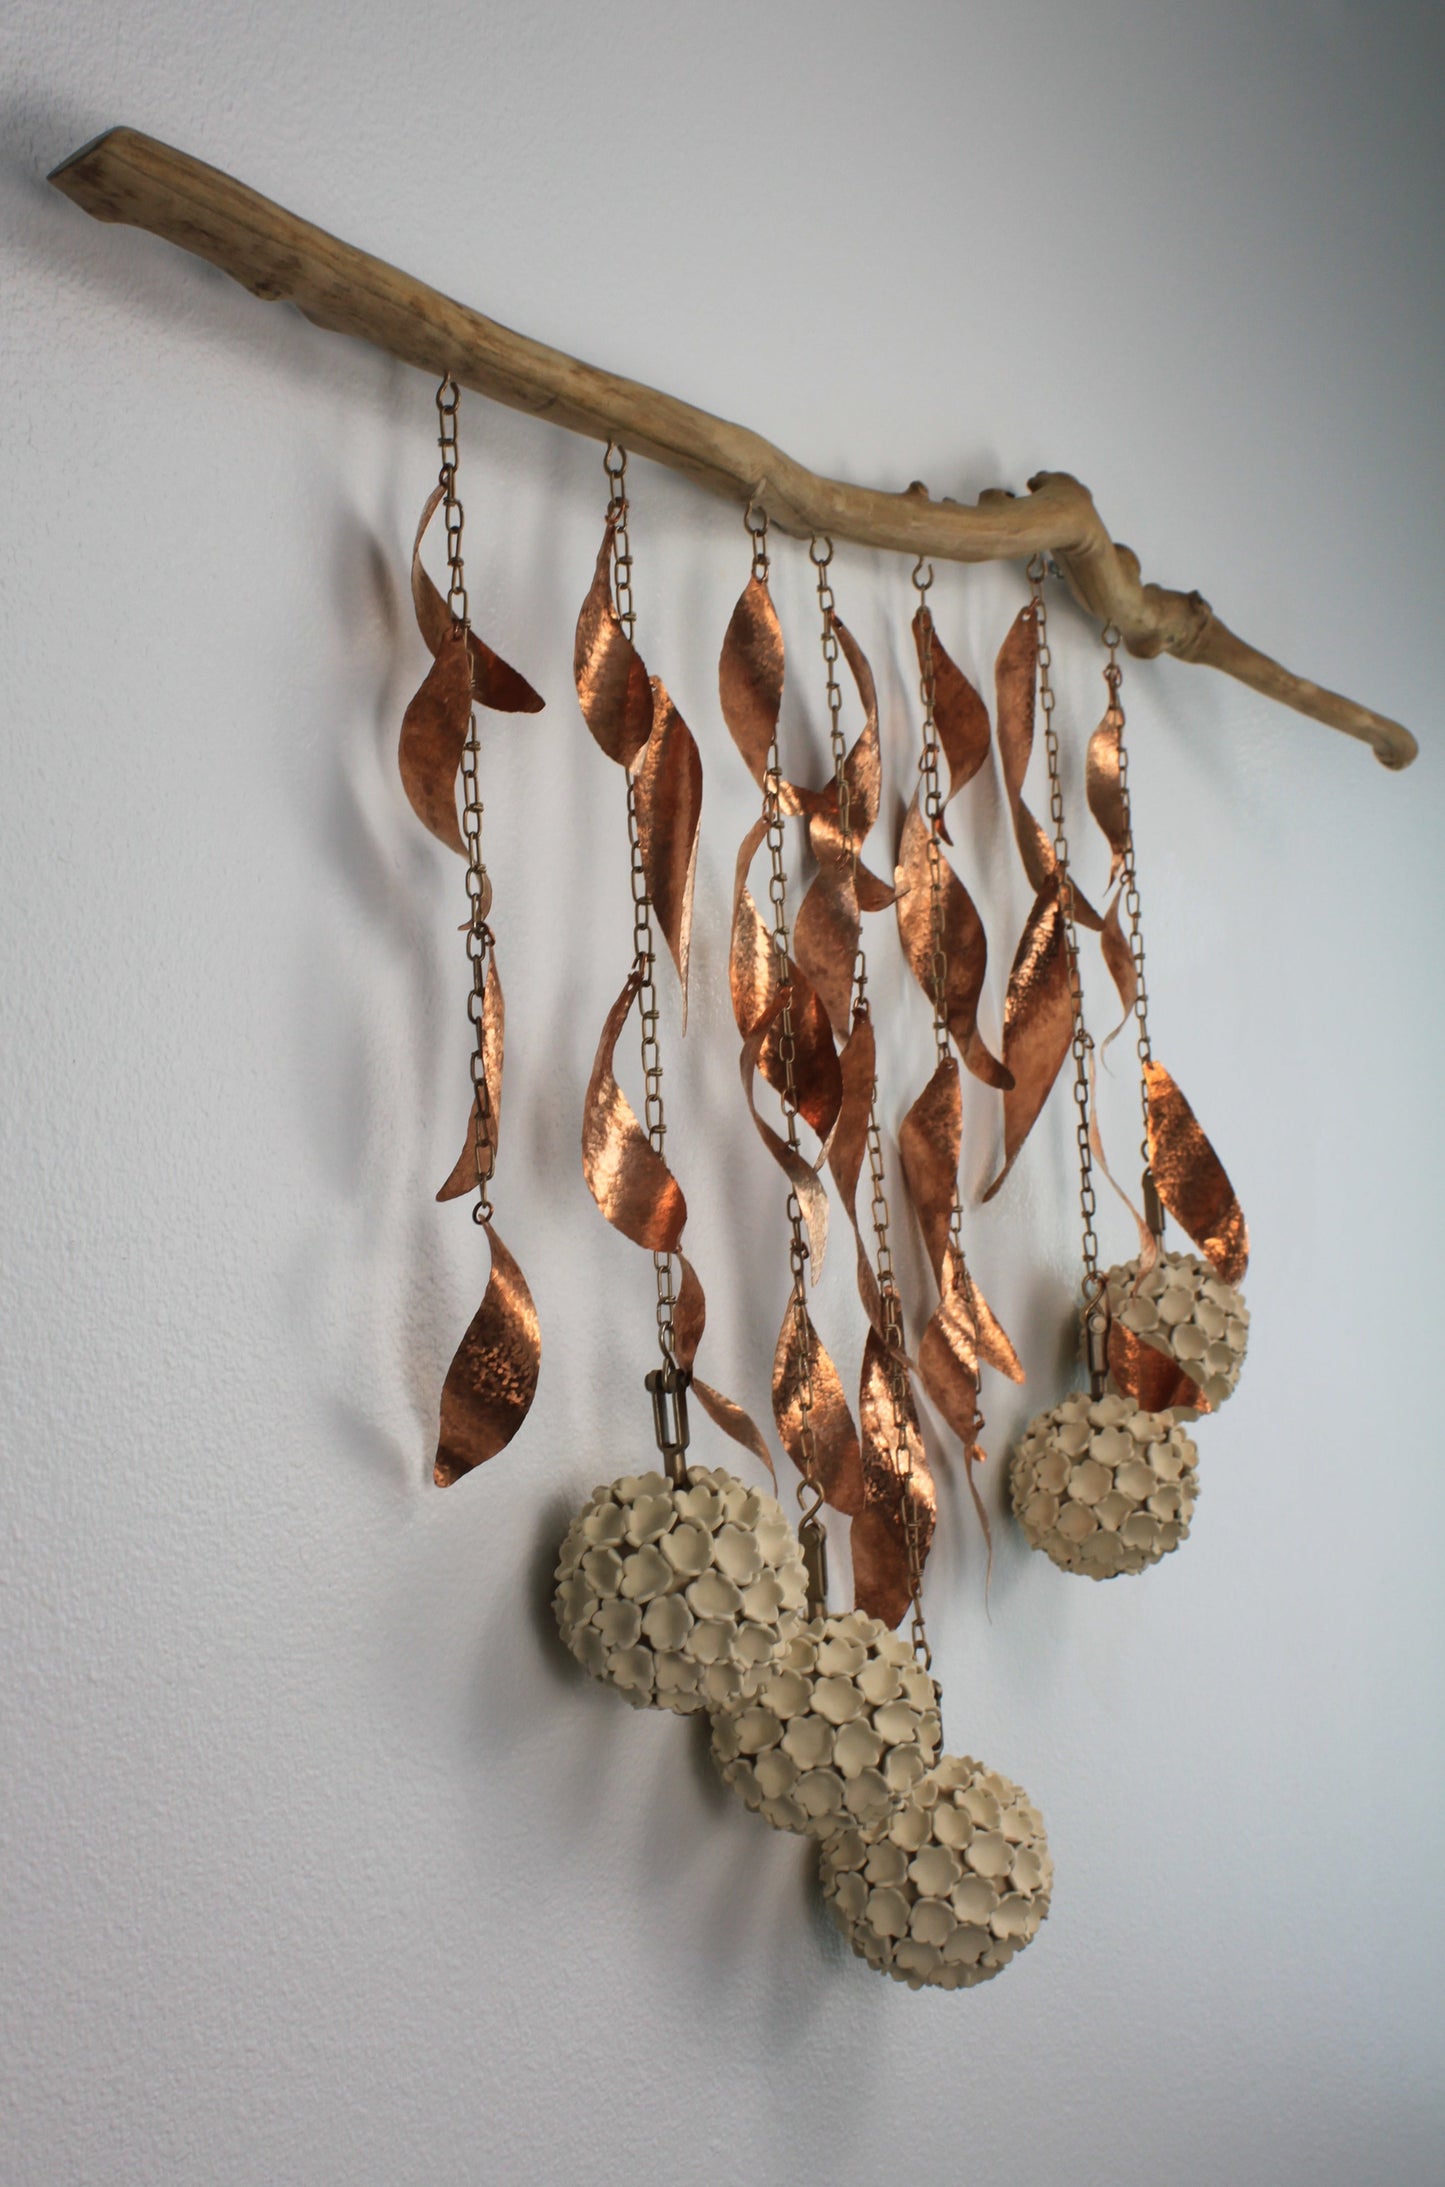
[
  {"x": 674, "y": 1595},
  {"x": 950, "y": 1887},
  {"x": 1103, "y": 1487},
  {"x": 835, "y": 1728}
]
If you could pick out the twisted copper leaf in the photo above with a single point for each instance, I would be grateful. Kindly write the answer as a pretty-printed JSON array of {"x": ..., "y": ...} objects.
[
  {"x": 757, "y": 996},
  {"x": 863, "y": 766},
  {"x": 1190, "y": 1178},
  {"x": 1104, "y": 787},
  {"x": 962, "y": 939},
  {"x": 494, "y": 683},
  {"x": 1038, "y": 1021},
  {"x": 825, "y": 938},
  {"x": 929, "y": 1141},
  {"x": 958, "y": 712},
  {"x": 800, "y": 1173},
  {"x": 750, "y": 676},
  {"x": 837, "y": 1459},
  {"x": 1015, "y": 681},
  {"x": 995, "y": 1348},
  {"x": 612, "y": 683},
  {"x": 628, "y": 1179},
  {"x": 433, "y": 735},
  {"x": 491, "y": 1382},
  {"x": 689, "y": 1321},
  {"x": 849, "y": 1144},
  {"x": 667, "y": 788},
  {"x": 463, "y": 1178},
  {"x": 882, "y": 1582}
]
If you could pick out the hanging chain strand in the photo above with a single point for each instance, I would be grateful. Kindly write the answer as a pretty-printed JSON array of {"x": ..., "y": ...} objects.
[
  {"x": 479, "y": 886},
  {"x": 810, "y": 1494},
  {"x": 821, "y": 554},
  {"x": 644, "y": 946},
  {"x": 1083, "y": 1045},
  {"x": 1133, "y": 912}
]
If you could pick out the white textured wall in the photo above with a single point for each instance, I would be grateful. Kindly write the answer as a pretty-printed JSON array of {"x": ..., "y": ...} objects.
[{"x": 323, "y": 1865}]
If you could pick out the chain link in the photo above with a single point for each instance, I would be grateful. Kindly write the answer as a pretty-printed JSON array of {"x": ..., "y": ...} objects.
[
  {"x": 1129, "y": 881},
  {"x": 644, "y": 945},
  {"x": 479, "y": 886},
  {"x": 1083, "y": 1045}
]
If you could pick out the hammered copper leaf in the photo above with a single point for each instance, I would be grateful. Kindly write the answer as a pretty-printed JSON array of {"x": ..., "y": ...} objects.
[
  {"x": 825, "y": 938},
  {"x": 1038, "y": 1022},
  {"x": 494, "y": 682},
  {"x": 630, "y": 1182},
  {"x": 753, "y": 975},
  {"x": 1104, "y": 783},
  {"x": 958, "y": 711},
  {"x": 848, "y": 1145},
  {"x": 948, "y": 1356},
  {"x": 800, "y": 1361},
  {"x": 667, "y": 789},
  {"x": 929, "y": 1139},
  {"x": 963, "y": 941},
  {"x": 995, "y": 1347},
  {"x": 750, "y": 675},
  {"x": 1190, "y": 1177},
  {"x": 463, "y": 1178},
  {"x": 1015, "y": 683},
  {"x": 881, "y": 1585},
  {"x": 612, "y": 683},
  {"x": 433, "y": 734},
  {"x": 1154, "y": 1380},
  {"x": 492, "y": 1380},
  {"x": 863, "y": 767},
  {"x": 896, "y": 1475},
  {"x": 689, "y": 1321},
  {"x": 759, "y": 996},
  {"x": 804, "y": 1179},
  {"x": 1119, "y": 958},
  {"x": 817, "y": 1081}
]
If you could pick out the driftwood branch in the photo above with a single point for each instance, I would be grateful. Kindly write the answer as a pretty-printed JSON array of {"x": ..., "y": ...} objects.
[{"x": 125, "y": 176}]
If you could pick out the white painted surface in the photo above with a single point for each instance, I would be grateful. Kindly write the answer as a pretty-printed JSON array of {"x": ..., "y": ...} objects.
[{"x": 322, "y": 1864}]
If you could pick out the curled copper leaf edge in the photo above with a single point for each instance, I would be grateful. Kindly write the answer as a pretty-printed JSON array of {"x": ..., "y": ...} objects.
[
  {"x": 667, "y": 793},
  {"x": 628, "y": 1179},
  {"x": 1190, "y": 1178},
  {"x": 463, "y": 1177},
  {"x": 492, "y": 1379},
  {"x": 838, "y": 1463}
]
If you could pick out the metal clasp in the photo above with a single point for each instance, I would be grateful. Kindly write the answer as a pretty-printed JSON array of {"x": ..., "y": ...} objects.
[{"x": 667, "y": 1387}]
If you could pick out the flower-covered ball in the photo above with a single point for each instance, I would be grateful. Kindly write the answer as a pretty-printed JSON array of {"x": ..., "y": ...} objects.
[
  {"x": 1102, "y": 1486},
  {"x": 1186, "y": 1313},
  {"x": 675, "y": 1594},
  {"x": 834, "y": 1729},
  {"x": 950, "y": 1887}
]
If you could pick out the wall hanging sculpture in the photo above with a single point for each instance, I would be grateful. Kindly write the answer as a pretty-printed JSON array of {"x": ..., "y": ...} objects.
[{"x": 686, "y": 1587}]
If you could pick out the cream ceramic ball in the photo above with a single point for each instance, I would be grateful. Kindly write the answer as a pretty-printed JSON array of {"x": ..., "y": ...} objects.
[
  {"x": 950, "y": 1887},
  {"x": 1103, "y": 1487},
  {"x": 836, "y": 1727},
  {"x": 1188, "y": 1314},
  {"x": 675, "y": 1595}
]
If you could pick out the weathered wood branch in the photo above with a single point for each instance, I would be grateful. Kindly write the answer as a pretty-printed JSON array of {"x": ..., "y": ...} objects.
[{"x": 125, "y": 176}]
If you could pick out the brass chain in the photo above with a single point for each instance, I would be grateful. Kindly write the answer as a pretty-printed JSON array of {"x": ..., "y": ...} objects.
[
  {"x": 810, "y": 1494},
  {"x": 1129, "y": 881},
  {"x": 1083, "y": 1045},
  {"x": 821, "y": 555},
  {"x": 479, "y": 887},
  {"x": 644, "y": 945}
]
